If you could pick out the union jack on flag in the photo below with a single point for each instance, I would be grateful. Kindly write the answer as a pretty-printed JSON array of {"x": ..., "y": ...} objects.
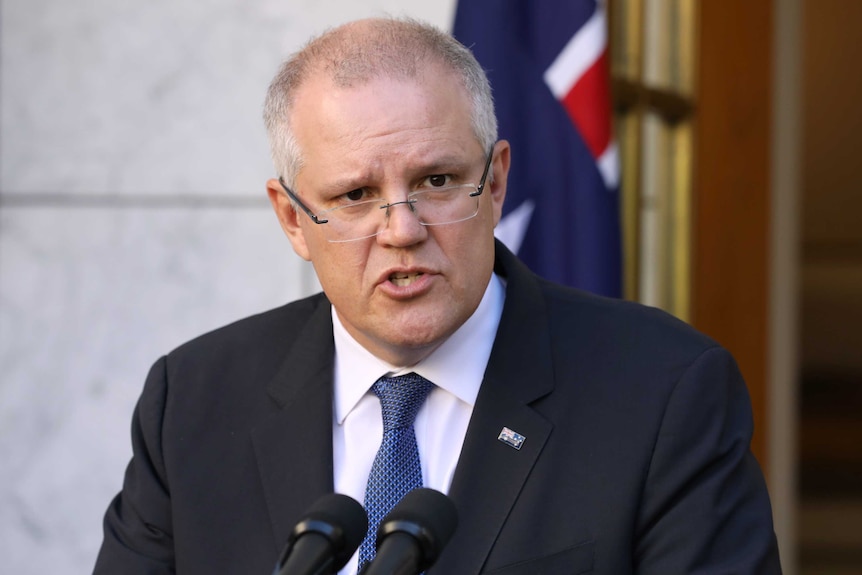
[{"x": 548, "y": 65}]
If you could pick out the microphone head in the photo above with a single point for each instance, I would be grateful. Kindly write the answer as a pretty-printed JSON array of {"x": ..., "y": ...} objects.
[
  {"x": 429, "y": 516},
  {"x": 339, "y": 518}
]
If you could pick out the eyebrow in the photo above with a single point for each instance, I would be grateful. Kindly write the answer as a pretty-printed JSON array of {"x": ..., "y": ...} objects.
[
  {"x": 446, "y": 163},
  {"x": 439, "y": 165}
]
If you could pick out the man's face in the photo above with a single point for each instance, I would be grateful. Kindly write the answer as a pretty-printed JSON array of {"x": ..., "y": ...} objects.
[{"x": 403, "y": 292}]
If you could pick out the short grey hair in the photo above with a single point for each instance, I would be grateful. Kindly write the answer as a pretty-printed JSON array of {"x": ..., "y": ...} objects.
[{"x": 360, "y": 51}]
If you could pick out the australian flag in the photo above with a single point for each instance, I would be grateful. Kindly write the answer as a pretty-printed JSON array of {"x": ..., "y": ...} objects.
[{"x": 548, "y": 65}]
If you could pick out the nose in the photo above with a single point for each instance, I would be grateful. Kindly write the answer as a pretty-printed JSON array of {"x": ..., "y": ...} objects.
[{"x": 402, "y": 226}]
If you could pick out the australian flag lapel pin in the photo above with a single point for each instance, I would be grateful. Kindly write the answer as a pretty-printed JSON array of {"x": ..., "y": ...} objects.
[{"x": 511, "y": 438}]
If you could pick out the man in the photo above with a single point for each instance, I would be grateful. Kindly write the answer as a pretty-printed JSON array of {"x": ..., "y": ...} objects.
[{"x": 574, "y": 434}]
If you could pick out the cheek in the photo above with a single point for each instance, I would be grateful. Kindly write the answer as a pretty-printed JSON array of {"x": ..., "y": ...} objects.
[
  {"x": 471, "y": 254},
  {"x": 340, "y": 268}
]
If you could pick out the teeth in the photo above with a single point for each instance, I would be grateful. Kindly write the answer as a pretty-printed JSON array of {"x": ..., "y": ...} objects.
[{"x": 403, "y": 279}]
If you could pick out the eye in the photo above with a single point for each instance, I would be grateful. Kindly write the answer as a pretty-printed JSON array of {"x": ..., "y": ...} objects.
[
  {"x": 438, "y": 180},
  {"x": 355, "y": 195}
]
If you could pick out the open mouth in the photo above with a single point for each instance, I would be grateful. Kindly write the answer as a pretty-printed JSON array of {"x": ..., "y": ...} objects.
[{"x": 404, "y": 279}]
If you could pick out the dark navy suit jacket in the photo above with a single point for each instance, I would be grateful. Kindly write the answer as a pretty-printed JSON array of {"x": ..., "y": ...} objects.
[{"x": 636, "y": 457}]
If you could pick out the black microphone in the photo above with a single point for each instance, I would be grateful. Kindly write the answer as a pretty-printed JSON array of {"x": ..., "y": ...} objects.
[
  {"x": 325, "y": 539},
  {"x": 413, "y": 534}
]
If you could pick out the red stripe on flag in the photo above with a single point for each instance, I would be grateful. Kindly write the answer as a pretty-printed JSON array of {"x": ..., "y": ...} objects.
[{"x": 588, "y": 105}]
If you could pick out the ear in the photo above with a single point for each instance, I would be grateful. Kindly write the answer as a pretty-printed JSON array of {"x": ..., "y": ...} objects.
[
  {"x": 288, "y": 217},
  {"x": 500, "y": 171}
]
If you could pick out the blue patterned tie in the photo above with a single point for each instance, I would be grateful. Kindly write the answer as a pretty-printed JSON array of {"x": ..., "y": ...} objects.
[{"x": 396, "y": 469}]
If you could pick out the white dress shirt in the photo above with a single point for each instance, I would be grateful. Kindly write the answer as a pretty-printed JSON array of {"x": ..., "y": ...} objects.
[{"x": 456, "y": 368}]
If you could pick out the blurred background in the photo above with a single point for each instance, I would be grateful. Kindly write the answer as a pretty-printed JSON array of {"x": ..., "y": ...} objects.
[{"x": 133, "y": 216}]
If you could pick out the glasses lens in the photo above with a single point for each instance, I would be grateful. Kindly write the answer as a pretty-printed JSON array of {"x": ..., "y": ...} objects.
[{"x": 446, "y": 205}]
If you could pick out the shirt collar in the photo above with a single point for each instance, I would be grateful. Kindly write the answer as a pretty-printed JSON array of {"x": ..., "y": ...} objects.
[{"x": 457, "y": 365}]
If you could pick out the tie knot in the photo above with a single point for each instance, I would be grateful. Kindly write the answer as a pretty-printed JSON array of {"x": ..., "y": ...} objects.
[{"x": 400, "y": 398}]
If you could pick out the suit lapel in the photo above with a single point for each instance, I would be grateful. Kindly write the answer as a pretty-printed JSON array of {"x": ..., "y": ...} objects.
[
  {"x": 293, "y": 446},
  {"x": 491, "y": 473}
]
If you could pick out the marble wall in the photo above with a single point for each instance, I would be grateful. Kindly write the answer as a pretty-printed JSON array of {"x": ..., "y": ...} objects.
[{"x": 133, "y": 216}]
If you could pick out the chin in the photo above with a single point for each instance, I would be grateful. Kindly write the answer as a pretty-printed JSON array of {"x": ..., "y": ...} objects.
[{"x": 416, "y": 336}]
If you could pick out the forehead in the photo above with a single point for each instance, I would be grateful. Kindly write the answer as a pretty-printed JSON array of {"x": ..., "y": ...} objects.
[{"x": 382, "y": 112}]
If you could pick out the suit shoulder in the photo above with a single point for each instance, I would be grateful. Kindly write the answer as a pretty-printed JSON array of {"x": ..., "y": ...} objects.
[
  {"x": 283, "y": 324},
  {"x": 622, "y": 324}
]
